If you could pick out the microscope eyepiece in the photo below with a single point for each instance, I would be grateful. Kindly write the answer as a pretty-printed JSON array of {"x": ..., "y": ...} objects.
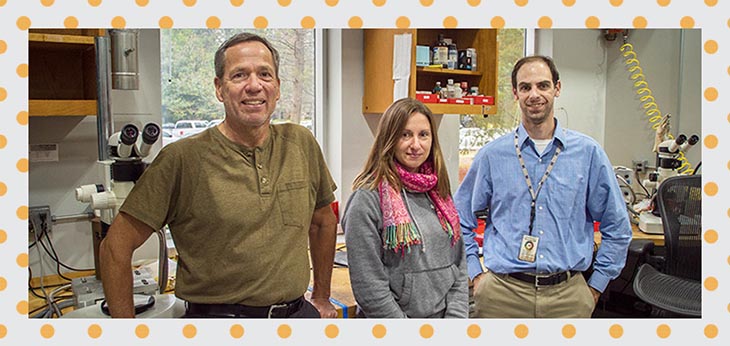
[
  {"x": 674, "y": 146},
  {"x": 693, "y": 139},
  {"x": 150, "y": 133},
  {"x": 680, "y": 139},
  {"x": 129, "y": 134}
]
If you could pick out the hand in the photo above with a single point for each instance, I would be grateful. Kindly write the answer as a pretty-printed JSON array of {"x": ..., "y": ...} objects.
[
  {"x": 475, "y": 282},
  {"x": 325, "y": 308},
  {"x": 596, "y": 295}
]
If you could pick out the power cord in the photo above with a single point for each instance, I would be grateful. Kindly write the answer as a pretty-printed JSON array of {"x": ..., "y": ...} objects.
[{"x": 39, "y": 223}]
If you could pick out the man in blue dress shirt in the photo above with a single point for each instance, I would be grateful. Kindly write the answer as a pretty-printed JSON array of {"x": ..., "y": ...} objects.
[{"x": 544, "y": 186}]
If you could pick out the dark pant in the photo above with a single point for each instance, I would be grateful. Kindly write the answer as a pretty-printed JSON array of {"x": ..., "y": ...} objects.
[{"x": 299, "y": 308}]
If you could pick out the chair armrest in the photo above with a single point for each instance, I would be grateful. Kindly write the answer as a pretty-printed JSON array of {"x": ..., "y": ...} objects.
[{"x": 641, "y": 247}]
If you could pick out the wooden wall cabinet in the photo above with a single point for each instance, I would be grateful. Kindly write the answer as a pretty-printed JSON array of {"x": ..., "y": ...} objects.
[
  {"x": 378, "y": 56},
  {"x": 62, "y": 72}
]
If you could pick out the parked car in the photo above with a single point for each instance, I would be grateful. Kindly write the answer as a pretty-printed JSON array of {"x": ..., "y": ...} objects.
[
  {"x": 184, "y": 128},
  {"x": 214, "y": 122},
  {"x": 167, "y": 137}
]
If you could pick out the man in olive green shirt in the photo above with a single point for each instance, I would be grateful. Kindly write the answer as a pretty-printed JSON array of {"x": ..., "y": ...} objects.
[{"x": 242, "y": 200}]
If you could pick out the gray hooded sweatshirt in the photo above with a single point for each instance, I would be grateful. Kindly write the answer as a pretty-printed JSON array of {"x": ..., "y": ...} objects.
[{"x": 430, "y": 281}]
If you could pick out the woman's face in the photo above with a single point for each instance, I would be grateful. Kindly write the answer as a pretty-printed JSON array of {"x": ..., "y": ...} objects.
[{"x": 414, "y": 144}]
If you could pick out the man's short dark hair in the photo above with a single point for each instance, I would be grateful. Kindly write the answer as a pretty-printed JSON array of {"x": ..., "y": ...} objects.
[
  {"x": 547, "y": 60},
  {"x": 239, "y": 38}
]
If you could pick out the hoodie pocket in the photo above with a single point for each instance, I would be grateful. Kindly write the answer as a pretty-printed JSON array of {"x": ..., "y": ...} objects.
[
  {"x": 425, "y": 291},
  {"x": 401, "y": 286}
]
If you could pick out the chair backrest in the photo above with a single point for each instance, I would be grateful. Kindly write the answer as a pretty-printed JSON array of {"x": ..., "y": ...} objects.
[{"x": 680, "y": 205}]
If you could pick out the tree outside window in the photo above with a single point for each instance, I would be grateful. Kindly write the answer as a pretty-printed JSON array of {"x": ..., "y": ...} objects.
[{"x": 475, "y": 130}]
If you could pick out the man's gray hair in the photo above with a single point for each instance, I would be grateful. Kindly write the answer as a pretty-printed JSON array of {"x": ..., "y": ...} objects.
[{"x": 239, "y": 38}]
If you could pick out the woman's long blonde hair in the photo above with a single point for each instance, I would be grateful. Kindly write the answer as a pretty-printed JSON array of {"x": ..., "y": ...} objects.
[{"x": 381, "y": 160}]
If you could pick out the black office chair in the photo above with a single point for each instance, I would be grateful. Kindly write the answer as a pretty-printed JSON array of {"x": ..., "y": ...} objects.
[{"x": 676, "y": 290}]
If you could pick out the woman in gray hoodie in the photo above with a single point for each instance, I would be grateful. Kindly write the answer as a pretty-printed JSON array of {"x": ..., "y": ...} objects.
[{"x": 404, "y": 247}]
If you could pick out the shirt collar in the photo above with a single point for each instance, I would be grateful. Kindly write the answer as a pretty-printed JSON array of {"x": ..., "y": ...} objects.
[
  {"x": 559, "y": 134},
  {"x": 264, "y": 147}
]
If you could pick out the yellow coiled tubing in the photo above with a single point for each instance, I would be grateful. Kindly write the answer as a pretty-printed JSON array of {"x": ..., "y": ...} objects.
[{"x": 648, "y": 103}]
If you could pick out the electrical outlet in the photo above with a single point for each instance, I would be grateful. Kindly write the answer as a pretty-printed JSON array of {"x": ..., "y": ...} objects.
[
  {"x": 640, "y": 166},
  {"x": 39, "y": 218}
]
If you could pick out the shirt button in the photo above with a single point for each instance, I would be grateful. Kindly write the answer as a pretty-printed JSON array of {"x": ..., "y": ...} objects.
[
  {"x": 540, "y": 207},
  {"x": 541, "y": 232},
  {"x": 432, "y": 207},
  {"x": 541, "y": 256},
  {"x": 249, "y": 154},
  {"x": 259, "y": 166},
  {"x": 264, "y": 180}
]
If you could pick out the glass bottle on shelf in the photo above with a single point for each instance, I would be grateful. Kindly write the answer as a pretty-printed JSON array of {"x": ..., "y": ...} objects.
[
  {"x": 453, "y": 56},
  {"x": 440, "y": 52},
  {"x": 452, "y": 90},
  {"x": 437, "y": 89}
]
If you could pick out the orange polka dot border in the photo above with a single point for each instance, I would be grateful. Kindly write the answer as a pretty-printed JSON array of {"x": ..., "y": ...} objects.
[{"x": 710, "y": 16}]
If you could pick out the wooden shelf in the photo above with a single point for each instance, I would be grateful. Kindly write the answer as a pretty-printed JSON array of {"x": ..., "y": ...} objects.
[
  {"x": 440, "y": 70},
  {"x": 437, "y": 108},
  {"x": 56, "y": 38},
  {"x": 47, "y": 108},
  {"x": 62, "y": 66}
]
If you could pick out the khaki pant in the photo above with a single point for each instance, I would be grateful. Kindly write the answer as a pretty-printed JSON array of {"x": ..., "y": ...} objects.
[{"x": 502, "y": 296}]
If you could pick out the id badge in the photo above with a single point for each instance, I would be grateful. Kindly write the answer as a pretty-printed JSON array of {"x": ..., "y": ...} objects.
[{"x": 528, "y": 249}]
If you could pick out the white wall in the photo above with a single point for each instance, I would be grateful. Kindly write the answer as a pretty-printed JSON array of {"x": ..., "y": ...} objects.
[
  {"x": 662, "y": 61},
  {"x": 581, "y": 104},
  {"x": 598, "y": 97},
  {"x": 53, "y": 183}
]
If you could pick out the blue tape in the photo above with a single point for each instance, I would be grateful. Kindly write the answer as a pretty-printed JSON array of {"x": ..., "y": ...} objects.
[{"x": 336, "y": 302}]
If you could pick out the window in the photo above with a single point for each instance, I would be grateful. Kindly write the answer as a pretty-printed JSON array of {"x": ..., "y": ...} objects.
[
  {"x": 474, "y": 130},
  {"x": 188, "y": 71}
]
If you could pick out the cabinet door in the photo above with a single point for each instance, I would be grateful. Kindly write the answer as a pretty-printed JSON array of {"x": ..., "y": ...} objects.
[{"x": 378, "y": 57}]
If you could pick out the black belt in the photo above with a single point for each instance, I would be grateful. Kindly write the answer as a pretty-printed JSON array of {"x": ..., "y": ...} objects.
[
  {"x": 237, "y": 310},
  {"x": 544, "y": 280}
]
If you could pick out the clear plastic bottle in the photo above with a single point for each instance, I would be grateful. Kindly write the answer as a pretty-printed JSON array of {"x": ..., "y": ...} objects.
[
  {"x": 453, "y": 56},
  {"x": 452, "y": 90}
]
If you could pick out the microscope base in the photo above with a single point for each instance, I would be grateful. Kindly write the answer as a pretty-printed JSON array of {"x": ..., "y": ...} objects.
[
  {"x": 650, "y": 224},
  {"x": 88, "y": 290},
  {"x": 166, "y": 306}
]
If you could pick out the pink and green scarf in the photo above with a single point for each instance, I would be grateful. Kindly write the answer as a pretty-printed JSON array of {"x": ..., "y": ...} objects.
[{"x": 399, "y": 231}]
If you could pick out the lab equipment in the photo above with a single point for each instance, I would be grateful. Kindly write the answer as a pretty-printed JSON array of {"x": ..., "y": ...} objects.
[
  {"x": 668, "y": 154},
  {"x": 125, "y": 150},
  {"x": 125, "y": 65},
  {"x": 165, "y": 306}
]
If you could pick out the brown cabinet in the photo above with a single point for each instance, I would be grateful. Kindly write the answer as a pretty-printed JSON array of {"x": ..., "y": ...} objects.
[
  {"x": 62, "y": 72},
  {"x": 378, "y": 56}
]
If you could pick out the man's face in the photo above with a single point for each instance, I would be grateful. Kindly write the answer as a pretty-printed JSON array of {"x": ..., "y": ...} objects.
[
  {"x": 536, "y": 92},
  {"x": 249, "y": 87}
]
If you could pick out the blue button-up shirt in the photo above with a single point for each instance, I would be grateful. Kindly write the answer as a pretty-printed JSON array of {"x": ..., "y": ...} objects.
[{"x": 581, "y": 189}]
